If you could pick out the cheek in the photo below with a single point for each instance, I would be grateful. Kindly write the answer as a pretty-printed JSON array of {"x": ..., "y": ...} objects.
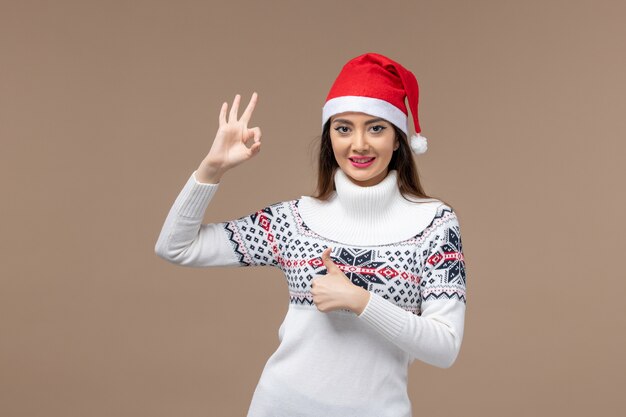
[
  {"x": 386, "y": 145},
  {"x": 336, "y": 154},
  {"x": 338, "y": 148}
]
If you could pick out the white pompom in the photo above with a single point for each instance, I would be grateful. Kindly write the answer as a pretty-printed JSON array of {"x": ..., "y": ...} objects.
[{"x": 419, "y": 145}]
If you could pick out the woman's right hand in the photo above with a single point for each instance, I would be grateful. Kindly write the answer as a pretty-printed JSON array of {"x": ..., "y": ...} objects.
[{"x": 229, "y": 147}]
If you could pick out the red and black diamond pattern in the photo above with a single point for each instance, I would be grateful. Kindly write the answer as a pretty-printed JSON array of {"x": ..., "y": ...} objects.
[
  {"x": 253, "y": 237},
  {"x": 429, "y": 265},
  {"x": 443, "y": 273}
]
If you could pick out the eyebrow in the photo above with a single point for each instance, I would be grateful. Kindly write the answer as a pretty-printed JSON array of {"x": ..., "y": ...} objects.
[{"x": 367, "y": 123}]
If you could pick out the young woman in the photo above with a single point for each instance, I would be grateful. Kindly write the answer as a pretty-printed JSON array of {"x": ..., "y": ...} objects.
[{"x": 374, "y": 266}]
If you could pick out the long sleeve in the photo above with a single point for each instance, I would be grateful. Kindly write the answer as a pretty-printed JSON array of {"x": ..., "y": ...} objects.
[
  {"x": 185, "y": 241},
  {"x": 436, "y": 334}
]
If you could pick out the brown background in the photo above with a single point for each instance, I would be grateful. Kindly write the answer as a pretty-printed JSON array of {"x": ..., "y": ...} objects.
[{"x": 108, "y": 106}]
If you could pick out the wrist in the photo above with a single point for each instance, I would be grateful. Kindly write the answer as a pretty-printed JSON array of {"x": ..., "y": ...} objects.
[
  {"x": 207, "y": 173},
  {"x": 360, "y": 300}
]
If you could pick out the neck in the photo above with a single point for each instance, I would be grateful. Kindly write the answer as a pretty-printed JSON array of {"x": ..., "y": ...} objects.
[{"x": 358, "y": 215}]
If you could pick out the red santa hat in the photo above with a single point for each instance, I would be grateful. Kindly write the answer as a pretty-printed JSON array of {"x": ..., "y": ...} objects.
[{"x": 374, "y": 84}]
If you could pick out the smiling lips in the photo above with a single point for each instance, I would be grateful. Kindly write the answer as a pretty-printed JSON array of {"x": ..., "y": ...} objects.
[{"x": 361, "y": 162}]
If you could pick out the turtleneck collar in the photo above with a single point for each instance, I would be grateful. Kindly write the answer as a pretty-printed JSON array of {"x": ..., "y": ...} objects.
[
  {"x": 372, "y": 201},
  {"x": 373, "y": 215}
]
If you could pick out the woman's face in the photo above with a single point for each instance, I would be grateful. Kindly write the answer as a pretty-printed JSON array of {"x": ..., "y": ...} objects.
[{"x": 359, "y": 136}]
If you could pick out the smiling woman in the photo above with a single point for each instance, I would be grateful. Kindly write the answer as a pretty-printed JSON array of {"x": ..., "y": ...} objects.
[
  {"x": 374, "y": 267},
  {"x": 370, "y": 88},
  {"x": 363, "y": 146}
]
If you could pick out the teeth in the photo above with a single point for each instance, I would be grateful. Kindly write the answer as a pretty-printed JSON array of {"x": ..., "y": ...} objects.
[{"x": 361, "y": 161}]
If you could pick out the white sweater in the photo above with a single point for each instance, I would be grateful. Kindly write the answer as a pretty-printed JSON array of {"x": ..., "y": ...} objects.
[{"x": 340, "y": 364}]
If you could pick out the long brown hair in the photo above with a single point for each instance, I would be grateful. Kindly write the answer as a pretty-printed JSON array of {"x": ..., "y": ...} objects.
[{"x": 402, "y": 160}]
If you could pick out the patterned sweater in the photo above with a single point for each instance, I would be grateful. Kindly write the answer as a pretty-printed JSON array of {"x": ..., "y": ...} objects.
[{"x": 408, "y": 254}]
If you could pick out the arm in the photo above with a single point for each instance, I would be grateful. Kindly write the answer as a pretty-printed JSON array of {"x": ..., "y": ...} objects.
[
  {"x": 185, "y": 241},
  {"x": 436, "y": 334}
]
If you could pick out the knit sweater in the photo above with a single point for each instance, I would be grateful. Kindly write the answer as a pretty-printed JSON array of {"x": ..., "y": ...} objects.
[{"x": 407, "y": 254}]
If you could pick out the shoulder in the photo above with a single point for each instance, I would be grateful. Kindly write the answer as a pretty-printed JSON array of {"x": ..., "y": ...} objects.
[
  {"x": 284, "y": 211},
  {"x": 282, "y": 204},
  {"x": 434, "y": 208},
  {"x": 263, "y": 213},
  {"x": 306, "y": 203},
  {"x": 445, "y": 209},
  {"x": 443, "y": 221}
]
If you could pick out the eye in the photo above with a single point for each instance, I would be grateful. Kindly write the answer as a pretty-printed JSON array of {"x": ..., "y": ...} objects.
[
  {"x": 338, "y": 129},
  {"x": 381, "y": 128}
]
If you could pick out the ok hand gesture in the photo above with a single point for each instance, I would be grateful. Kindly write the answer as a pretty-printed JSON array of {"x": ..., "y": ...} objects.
[{"x": 229, "y": 147}]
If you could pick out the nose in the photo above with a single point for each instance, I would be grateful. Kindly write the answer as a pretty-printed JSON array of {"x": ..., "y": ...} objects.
[{"x": 359, "y": 142}]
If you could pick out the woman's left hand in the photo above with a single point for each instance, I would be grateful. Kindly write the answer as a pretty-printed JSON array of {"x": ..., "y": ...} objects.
[{"x": 335, "y": 291}]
